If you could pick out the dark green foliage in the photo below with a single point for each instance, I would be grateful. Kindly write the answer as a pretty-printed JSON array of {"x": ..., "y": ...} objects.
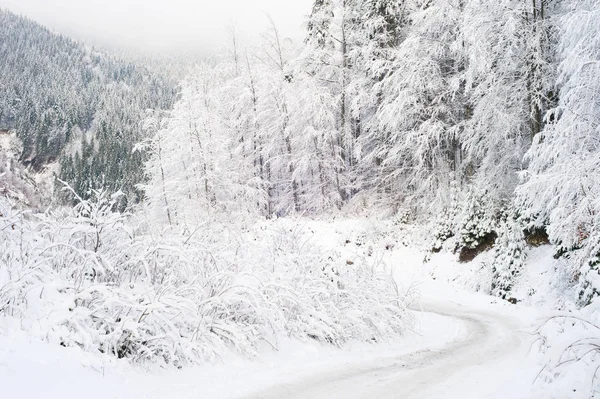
[{"x": 589, "y": 281}]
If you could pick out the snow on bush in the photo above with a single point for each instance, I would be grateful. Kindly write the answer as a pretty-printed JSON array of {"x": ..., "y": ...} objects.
[
  {"x": 466, "y": 223},
  {"x": 443, "y": 228},
  {"x": 509, "y": 255},
  {"x": 571, "y": 347},
  {"x": 100, "y": 280},
  {"x": 477, "y": 221}
]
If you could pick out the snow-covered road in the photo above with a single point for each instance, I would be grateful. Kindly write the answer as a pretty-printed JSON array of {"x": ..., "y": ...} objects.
[
  {"x": 483, "y": 340},
  {"x": 465, "y": 346}
]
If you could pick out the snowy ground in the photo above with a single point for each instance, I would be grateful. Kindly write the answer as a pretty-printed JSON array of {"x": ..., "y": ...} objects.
[
  {"x": 465, "y": 345},
  {"x": 465, "y": 351}
]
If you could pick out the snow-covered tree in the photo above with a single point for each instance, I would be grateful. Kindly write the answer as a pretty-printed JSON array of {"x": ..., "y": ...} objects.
[
  {"x": 412, "y": 144},
  {"x": 562, "y": 185}
]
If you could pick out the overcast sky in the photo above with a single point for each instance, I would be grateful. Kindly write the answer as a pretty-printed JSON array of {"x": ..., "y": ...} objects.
[{"x": 168, "y": 26}]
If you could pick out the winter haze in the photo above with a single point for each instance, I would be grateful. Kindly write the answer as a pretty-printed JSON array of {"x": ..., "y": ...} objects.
[{"x": 175, "y": 26}]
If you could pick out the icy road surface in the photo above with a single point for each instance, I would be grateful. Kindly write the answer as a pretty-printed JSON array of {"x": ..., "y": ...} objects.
[{"x": 472, "y": 364}]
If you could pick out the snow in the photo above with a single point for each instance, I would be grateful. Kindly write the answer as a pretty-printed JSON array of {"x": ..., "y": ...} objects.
[
  {"x": 473, "y": 361},
  {"x": 16, "y": 183},
  {"x": 463, "y": 345},
  {"x": 481, "y": 115},
  {"x": 30, "y": 368}
]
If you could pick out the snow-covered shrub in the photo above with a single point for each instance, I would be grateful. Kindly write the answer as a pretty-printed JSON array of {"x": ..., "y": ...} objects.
[
  {"x": 509, "y": 255},
  {"x": 403, "y": 216},
  {"x": 319, "y": 295},
  {"x": 19, "y": 269},
  {"x": 98, "y": 286},
  {"x": 590, "y": 281},
  {"x": 477, "y": 222},
  {"x": 444, "y": 228},
  {"x": 570, "y": 344},
  {"x": 86, "y": 277}
]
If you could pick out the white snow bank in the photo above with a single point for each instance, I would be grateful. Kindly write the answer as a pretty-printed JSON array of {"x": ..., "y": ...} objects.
[{"x": 89, "y": 278}]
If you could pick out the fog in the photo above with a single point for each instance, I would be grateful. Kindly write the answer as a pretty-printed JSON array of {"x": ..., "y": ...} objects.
[{"x": 165, "y": 26}]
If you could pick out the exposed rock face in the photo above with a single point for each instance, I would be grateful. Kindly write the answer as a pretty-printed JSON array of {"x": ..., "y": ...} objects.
[
  {"x": 537, "y": 237},
  {"x": 467, "y": 254}
]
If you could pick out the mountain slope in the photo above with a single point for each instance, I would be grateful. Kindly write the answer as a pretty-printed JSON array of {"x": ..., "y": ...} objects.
[{"x": 72, "y": 104}]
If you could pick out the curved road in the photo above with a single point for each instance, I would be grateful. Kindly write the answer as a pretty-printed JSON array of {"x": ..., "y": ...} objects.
[{"x": 486, "y": 338}]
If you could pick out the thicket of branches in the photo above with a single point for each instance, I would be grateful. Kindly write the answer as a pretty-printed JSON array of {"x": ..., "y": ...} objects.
[{"x": 106, "y": 282}]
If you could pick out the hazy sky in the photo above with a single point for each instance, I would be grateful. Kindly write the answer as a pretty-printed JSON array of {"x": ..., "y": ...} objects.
[{"x": 164, "y": 25}]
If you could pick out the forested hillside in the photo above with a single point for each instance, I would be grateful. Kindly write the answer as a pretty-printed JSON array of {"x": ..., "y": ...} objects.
[{"x": 71, "y": 104}]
